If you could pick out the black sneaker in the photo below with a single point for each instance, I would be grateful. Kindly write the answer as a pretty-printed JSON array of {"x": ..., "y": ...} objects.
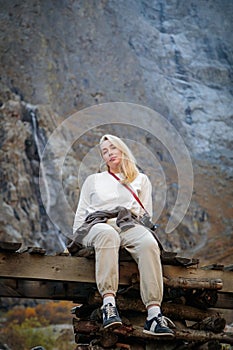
[
  {"x": 110, "y": 316},
  {"x": 159, "y": 326}
]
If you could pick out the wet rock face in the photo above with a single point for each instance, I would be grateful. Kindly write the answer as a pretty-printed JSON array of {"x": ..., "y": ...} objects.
[{"x": 23, "y": 216}]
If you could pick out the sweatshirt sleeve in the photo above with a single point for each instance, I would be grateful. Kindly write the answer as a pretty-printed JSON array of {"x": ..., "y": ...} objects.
[
  {"x": 145, "y": 194},
  {"x": 83, "y": 204}
]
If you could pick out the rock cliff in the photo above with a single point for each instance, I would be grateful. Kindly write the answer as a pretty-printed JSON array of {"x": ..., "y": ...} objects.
[{"x": 172, "y": 56}]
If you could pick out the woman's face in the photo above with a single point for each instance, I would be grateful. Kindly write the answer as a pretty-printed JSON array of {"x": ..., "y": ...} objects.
[{"x": 111, "y": 155}]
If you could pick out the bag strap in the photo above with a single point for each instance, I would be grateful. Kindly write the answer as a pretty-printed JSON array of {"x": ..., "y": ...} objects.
[{"x": 128, "y": 188}]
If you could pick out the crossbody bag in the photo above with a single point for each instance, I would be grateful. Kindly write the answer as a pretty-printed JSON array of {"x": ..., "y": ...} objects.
[{"x": 145, "y": 219}]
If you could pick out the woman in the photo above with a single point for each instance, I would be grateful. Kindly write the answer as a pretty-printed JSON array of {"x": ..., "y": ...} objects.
[{"x": 105, "y": 219}]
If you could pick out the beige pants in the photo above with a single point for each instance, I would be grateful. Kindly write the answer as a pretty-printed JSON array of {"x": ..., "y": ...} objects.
[{"x": 106, "y": 239}]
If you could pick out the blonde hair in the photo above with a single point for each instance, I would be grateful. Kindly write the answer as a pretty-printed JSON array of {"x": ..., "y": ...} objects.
[{"x": 128, "y": 163}]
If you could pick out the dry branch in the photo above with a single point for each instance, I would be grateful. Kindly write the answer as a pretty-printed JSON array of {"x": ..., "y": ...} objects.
[
  {"x": 87, "y": 327},
  {"x": 214, "y": 324}
]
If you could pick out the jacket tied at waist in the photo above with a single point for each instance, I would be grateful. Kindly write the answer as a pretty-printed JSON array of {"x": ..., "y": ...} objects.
[{"x": 124, "y": 220}]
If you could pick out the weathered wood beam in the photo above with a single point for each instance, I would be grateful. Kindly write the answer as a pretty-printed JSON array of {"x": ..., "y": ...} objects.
[
  {"x": 73, "y": 269},
  {"x": 55, "y": 268},
  {"x": 58, "y": 290}
]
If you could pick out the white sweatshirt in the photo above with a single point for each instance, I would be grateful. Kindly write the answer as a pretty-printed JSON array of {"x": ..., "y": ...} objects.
[{"x": 102, "y": 191}]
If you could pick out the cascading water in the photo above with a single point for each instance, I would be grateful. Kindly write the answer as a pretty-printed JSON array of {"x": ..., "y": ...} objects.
[
  {"x": 40, "y": 143},
  {"x": 40, "y": 146}
]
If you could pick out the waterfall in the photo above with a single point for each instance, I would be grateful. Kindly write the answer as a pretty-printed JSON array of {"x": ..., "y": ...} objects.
[
  {"x": 40, "y": 147},
  {"x": 40, "y": 143}
]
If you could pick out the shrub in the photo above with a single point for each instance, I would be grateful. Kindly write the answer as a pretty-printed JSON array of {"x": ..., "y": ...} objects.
[
  {"x": 28, "y": 334},
  {"x": 23, "y": 330},
  {"x": 55, "y": 312},
  {"x": 52, "y": 312}
]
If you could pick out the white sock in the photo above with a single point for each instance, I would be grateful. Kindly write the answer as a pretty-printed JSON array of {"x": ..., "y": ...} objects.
[
  {"x": 109, "y": 300},
  {"x": 153, "y": 311}
]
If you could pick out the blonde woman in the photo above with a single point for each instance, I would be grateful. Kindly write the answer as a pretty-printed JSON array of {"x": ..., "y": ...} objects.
[{"x": 105, "y": 218}]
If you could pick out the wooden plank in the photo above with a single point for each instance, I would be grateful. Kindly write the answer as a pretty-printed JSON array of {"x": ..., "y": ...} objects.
[
  {"x": 57, "y": 290},
  {"x": 72, "y": 269},
  {"x": 58, "y": 268}
]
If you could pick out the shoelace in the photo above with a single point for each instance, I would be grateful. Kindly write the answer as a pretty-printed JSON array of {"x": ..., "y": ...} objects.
[
  {"x": 164, "y": 321},
  {"x": 169, "y": 322},
  {"x": 110, "y": 311}
]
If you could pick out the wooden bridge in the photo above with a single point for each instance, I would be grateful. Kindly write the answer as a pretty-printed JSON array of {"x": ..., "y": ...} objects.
[{"x": 192, "y": 292}]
